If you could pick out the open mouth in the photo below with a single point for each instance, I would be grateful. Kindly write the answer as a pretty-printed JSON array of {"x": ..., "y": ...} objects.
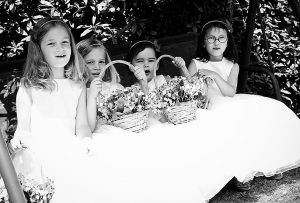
[
  {"x": 61, "y": 56},
  {"x": 216, "y": 48},
  {"x": 96, "y": 74},
  {"x": 147, "y": 72}
]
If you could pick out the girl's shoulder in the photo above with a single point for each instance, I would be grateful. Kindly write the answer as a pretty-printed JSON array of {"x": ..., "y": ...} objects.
[
  {"x": 200, "y": 62},
  {"x": 25, "y": 83},
  {"x": 227, "y": 61},
  {"x": 230, "y": 64}
]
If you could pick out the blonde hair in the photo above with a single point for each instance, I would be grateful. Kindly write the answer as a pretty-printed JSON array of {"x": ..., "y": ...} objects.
[
  {"x": 87, "y": 45},
  {"x": 37, "y": 72}
]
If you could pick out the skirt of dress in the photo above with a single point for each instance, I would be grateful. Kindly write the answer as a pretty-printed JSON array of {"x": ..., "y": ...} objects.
[
  {"x": 167, "y": 163},
  {"x": 66, "y": 162},
  {"x": 243, "y": 136},
  {"x": 267, "y": 134}
]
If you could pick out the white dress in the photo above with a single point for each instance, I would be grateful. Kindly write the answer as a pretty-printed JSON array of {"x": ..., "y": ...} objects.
[
  {"x": 53, "y": 150},
  {"x": 185, "y": 163},
  {"x": 267, "y": 132},
  {"x": 180, "y": 164}
]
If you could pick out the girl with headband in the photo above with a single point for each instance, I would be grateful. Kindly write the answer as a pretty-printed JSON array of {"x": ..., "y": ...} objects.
[
  {"x": 52, "y": 135},
  {"x": 143, "y": 54},
  {"x": 266, "y": 130}
]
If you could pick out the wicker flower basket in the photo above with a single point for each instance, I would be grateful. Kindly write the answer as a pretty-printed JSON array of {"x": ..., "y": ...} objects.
[
  {"x": 182, "y": 112},
  {"x": 135, "y": 122}
]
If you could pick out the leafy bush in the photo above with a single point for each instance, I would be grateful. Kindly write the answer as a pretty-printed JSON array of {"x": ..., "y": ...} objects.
[
  {"x": 282, "y": 31},
  {"x": 123, "y": 21},
  {"x": 112, "y": 21},
  {"x": 10, "y": 83}
]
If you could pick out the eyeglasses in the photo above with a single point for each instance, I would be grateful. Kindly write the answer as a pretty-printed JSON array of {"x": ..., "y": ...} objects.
[{"x": 212, "y": 39}]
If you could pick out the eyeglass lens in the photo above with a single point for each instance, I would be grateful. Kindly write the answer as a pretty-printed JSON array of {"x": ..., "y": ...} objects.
[{"x": 212, "y": 39}]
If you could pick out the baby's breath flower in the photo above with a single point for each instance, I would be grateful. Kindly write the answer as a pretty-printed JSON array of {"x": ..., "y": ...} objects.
[
  {"x": 131, "y": 98},
  {"x": 36, "y": 192},
  {"x": 177, "y": 90}
]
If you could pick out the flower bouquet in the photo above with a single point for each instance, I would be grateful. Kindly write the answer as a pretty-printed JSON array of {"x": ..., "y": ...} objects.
[
  {"x": 3, "y": 192},
  {"x": 34, "y": 192},
  {"x": 179, "y": 97},
  {"x": 127, "y": 109}
]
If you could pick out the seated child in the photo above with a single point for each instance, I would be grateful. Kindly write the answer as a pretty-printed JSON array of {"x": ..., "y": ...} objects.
[
  {"x": 101, "y": 81},
  {"x": 266, "y": 129},
  {"x": 143, "y": 54}
]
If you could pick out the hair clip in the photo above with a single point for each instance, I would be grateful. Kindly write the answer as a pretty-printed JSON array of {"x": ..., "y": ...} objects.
[{"x": 227, "y": 25}]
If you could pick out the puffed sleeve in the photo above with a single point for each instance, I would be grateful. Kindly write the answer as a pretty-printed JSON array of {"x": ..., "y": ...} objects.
[{"x": 23, "y": 107}]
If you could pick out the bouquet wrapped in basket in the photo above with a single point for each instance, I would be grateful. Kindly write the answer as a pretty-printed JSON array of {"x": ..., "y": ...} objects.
[
  {"x": 180, "y": 97},
  {"x": 34, "y": 192},
  {"x": 127, "y": 108}
]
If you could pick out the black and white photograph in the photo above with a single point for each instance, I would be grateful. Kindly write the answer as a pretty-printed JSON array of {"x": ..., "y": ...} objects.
[{"x": 153, "y": 101}]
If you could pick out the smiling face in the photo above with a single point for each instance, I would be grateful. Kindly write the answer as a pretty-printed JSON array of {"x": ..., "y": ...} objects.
[
  {"x": 146, "y": 59},
  {"x": 215, "y": 43},
  {"x": 95, "y": 60},
  {"x": 56, "y": 47}
]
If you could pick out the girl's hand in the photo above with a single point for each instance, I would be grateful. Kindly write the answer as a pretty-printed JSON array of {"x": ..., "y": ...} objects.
[
  {"x": 17, "y": 144},
  {"x": 95, "y": 87},
  {"x": 205, "y": 73},
  {"x": 208, "y": 75},
  {"x": 179, "y": 62},
  {"x": 139, "y": 73}
]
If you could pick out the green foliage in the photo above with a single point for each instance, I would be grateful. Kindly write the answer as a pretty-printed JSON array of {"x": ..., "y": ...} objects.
[
  {"x": 112, "y": 21},
  {"x": 122, "y": 21},
  {"x": 282, "y": 31},
  {"x": 10, "y": 83}
]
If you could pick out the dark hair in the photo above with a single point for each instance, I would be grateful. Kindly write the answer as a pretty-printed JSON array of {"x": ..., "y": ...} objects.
[
  {"x": 37, "y": 72},
  {"x": 230, "y": 53},
  {"x": 139, "y": 46},
  {"x": 87, "y": 45},
  {"x": 134, "y": 50}
]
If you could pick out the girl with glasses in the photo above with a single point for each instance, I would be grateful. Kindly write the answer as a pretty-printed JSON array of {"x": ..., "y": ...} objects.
[
  {"x": 263, "y": 131},
  {"x": 216, "y": 48}
]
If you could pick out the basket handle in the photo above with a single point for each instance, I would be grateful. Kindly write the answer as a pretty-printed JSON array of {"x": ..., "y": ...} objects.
[
  {"x": 131, "y": 67},
  {"x": 156, "y": 65}
]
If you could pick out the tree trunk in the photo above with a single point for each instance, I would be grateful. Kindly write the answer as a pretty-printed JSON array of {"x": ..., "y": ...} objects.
[{"x": 245, "y": 58}]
